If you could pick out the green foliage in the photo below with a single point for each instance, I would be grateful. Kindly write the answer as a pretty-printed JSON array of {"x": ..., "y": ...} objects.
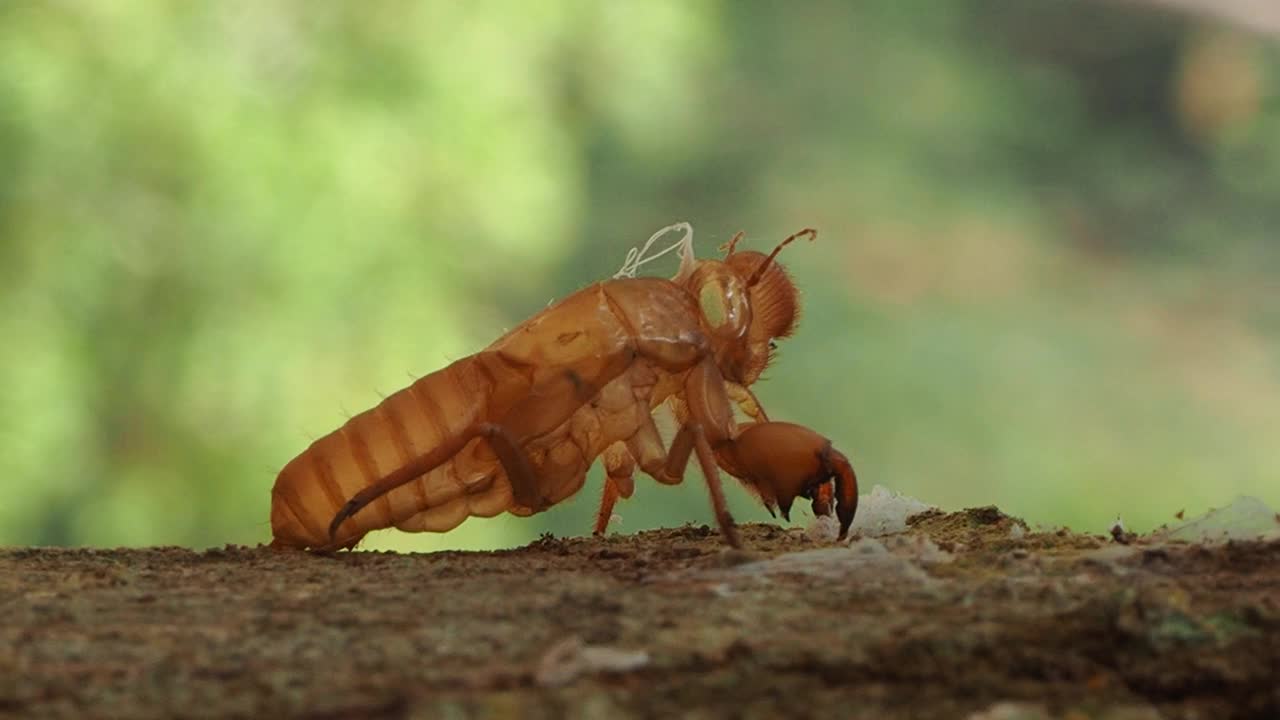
[{"x": 1044, "y": 277}]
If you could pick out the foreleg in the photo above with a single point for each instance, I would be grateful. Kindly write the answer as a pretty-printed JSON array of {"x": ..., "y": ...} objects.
[
  {"x": 710, "y": 424},
  {"x": 785, "y": 461}
]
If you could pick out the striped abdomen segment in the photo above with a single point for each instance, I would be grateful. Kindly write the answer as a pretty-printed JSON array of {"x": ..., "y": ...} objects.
[{"x": 429, "y": 413}]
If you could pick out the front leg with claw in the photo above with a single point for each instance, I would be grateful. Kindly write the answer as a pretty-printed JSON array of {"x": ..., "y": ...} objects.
[{"x": 783, "y": 461}]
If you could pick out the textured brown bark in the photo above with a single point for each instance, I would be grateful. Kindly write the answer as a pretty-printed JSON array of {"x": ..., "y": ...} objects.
[{"x": 965, "y": 613}]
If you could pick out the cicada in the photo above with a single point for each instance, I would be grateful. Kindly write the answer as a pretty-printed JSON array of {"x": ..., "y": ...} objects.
[{"x": 515, "y": 427}]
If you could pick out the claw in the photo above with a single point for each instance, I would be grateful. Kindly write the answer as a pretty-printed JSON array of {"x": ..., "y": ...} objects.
[
  {"x": 823, "y": 497},
  {"x": 846, "y": 488},
  {"x": 782, "y": 461}
]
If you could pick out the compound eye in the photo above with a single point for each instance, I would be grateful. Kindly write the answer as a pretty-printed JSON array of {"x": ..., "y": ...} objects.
[{"x": 723, "y": 302}]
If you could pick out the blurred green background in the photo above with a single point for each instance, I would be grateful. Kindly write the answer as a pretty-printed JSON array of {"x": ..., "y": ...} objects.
[{"x": 1046, "y": 276}]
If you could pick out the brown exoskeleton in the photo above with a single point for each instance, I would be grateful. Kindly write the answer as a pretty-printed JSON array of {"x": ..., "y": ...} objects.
[{"x": 516, "y": 426}]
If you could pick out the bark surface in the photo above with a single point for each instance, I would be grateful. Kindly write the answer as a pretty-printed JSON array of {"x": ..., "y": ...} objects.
[{"x": 965, "y": 614}]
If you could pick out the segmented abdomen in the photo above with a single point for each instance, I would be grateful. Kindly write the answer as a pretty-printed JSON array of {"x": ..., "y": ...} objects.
[{"x": 317, "y": 483}]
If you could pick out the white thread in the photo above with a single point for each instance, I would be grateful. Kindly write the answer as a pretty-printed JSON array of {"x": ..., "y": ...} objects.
[{"x": 637, "y": 256}]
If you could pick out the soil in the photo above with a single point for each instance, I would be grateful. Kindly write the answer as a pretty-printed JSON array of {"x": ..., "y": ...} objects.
[{"x": 966, "y": 614}]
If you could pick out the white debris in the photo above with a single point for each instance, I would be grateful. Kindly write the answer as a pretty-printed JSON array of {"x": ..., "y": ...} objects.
[
  {"x": 1017, "y": 532},
  {"x": 880, "y": 512},
  {"x": 822, "y": 529},
  {"x": 1246, "y": 518},
  {"x": 884, "y": 512},
  {"x": 572, "y": 658}
]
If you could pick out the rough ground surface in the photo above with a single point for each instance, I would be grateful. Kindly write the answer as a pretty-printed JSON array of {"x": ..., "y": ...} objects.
[{"x": 962, "y": 615}]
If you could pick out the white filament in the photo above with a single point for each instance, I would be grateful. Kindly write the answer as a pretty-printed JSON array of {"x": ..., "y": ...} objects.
[{"x": 636, "y": 257}]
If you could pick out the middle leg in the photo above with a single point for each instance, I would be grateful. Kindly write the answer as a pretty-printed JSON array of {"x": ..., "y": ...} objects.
[{"x": 619, "y": 482}]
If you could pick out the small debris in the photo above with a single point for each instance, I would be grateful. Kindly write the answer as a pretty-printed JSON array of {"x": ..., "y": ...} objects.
[
  {"x": 1017, "y": 532},
  {"x": 571, "y": 658},
  {"x": 1180, "y": 513},
  {"x": 1119, "y": 534}
]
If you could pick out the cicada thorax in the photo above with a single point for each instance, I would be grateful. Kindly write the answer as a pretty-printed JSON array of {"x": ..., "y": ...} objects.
[{"x": 562, "y": 457}]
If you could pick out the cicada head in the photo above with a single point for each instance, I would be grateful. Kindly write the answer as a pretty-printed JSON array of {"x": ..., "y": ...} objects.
[{"x": 747, "y": 301}]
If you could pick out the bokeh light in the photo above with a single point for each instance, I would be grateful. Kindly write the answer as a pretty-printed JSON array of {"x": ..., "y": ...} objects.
[{"x": 1046, "y": 274}]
